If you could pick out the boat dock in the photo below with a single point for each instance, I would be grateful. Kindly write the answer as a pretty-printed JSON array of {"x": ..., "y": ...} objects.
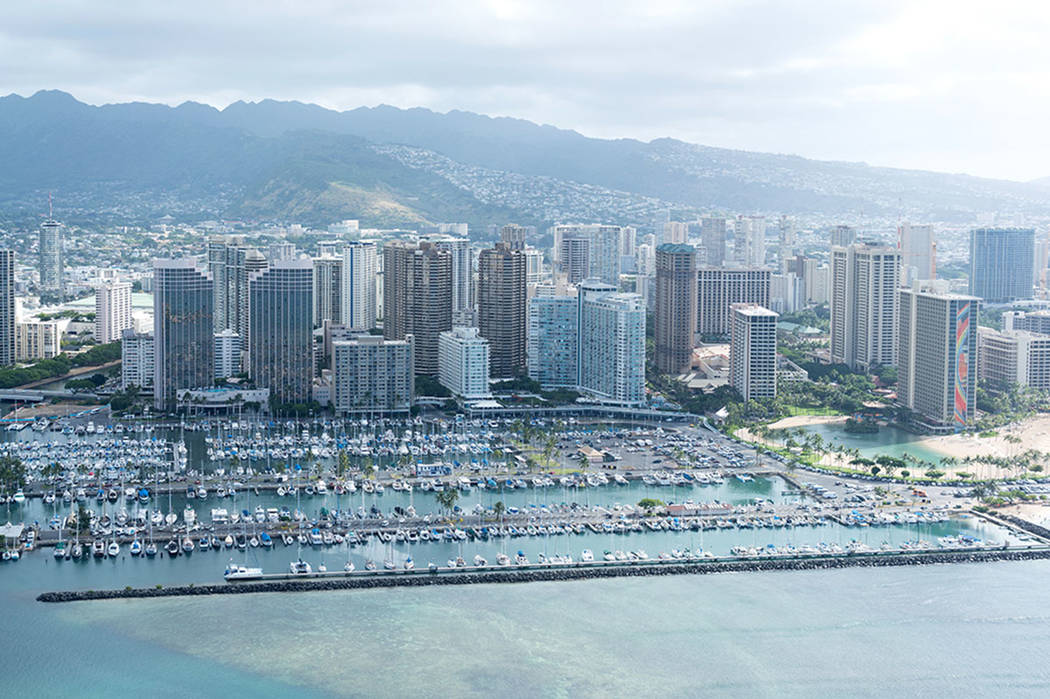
[{"x": 557, "y": 572}]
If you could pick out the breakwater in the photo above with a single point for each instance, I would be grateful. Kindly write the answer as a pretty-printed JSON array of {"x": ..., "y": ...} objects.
[{"x": 578, "y": 571}]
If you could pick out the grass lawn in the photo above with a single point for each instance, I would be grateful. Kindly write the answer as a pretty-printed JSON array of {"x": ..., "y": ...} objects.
[{"x": 794, "y": 410}]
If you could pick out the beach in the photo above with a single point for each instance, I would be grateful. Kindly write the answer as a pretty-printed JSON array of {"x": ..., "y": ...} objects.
[{"x": 1006, "y": 442}]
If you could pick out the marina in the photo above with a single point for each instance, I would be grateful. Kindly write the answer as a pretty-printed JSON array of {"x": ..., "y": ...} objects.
[{"x": 245, "y": 501}]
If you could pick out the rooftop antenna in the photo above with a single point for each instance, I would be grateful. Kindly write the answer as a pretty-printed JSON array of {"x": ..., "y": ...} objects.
[{"x": 50, "y": 210}]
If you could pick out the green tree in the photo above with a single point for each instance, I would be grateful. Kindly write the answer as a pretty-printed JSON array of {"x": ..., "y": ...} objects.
[
  {"x": 447, "y": 498},
  {"x": 650, "y": 504}
]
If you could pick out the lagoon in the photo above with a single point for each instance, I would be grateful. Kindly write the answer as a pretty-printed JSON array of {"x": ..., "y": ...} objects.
[{"x": 889, "y": 441}]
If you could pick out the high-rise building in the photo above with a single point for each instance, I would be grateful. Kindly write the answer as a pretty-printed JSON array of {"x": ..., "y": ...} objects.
[
  {"x": 864, "y": 305},
  {"x": 718, "y": 289},
  {"x": 112, "y": 311},
  {"x": 183, "y": 329},
  {"x": 786, "y": 293},
  {"x": 328, "y": 290},
  {"x": 501, "y": 307},
  {"x": 676, "y": 232},
  {"x": 7, "y": 307},
  {"x": 514, "y": 235},
  {"x": 417, "y": 297},
  {"x": 552, "y": 346},
  {"x": 52, "y": 271},
  {"x": 753, "y": 351},
  {"x": 593, "y": 250},
  {"x": 227, "y": 354},
  {"x": 370, "y": 373},
  {"x": 462, "y": 256},
  {"x": 843, "y": 236},
  {"x": 463, "y": 363},
  {"x": 136, "y": 360},
  {"x": 331, "y": 248},
  {"x": 918, "y": 253},
  {"x": 1001, "y": 261},
  {"x": 281, "y": 251},
  {"x": 786, "y": 240},
  {"x": 937, "y": 369},
  {"x": 676, "y": 298},
  {"x": 281, "y": 328},
  {"x": 37, "y": 339},
  {"x": 533, "y": 265},
  {"x": 611, "y": 343},
  {"x": 1013, "y": 357},
  {"x": 749, "y": 241},
  {"x": 226, "y": 264},
  {"x": 594, "y": 342},
  {"x": 713, "y": 236},
  {"x": 358, "y": 299},
  {"x": 1032, "y": 321}
]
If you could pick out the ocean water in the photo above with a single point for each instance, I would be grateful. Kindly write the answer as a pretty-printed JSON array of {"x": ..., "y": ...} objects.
[{"x": 923, "y": 631}]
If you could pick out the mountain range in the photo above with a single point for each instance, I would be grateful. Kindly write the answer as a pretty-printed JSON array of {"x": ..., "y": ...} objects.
[{"x": 289, "y": 161}]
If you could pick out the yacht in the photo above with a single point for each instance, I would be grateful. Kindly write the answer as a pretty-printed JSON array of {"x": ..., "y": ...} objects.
[
  {"x": 113, "y": 550},
  {"x": 300, "y": 567},
  {"x": 136, "y": 547},
  {"x": 238, "y": 572}
]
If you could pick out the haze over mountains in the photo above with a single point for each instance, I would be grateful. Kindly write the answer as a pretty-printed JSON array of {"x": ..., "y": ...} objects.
[{"x": 397, "y": 167}]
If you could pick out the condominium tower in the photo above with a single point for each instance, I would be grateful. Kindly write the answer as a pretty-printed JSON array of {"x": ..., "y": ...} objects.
[
  {"x": 52, "y": 271},
  {"x": 501, "y": 307},
  {"x": 864, "y": 305},
  {"x": 112, "y": 311},
  {"x": 184, "y": 347},
  {"x": 417, "y": 297},
  {"x": 753, "y": 351},
  {"x": 358, "y": 278},
  {"x": 1001, "y": 264},
  {"x": 7, "y": 307},
  {"x": 718, "y": 289},
  {"x": 937, "y": 369},
  {"x": 676, "y": 299},
  {"x": 281, "y": 330}
]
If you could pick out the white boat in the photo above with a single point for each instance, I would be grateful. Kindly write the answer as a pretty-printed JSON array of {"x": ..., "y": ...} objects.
[
  {"x": 136, "y": 547},
  {"x": 239, "y": 572},
  {"x": 113, "y": 550},
  {"x": 300, "y": 567},
  {"x": 587, "y": 556}
]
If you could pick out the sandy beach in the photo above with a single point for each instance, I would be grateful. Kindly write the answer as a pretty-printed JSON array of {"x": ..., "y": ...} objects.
[{"x": 1032, "y": 433}]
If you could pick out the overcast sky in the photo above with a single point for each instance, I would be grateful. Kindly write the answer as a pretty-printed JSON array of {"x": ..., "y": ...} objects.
[{"x": 942, "y": 85}]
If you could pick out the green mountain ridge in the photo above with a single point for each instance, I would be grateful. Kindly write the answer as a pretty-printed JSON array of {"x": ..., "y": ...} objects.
[{"x": 290, "y": 161}]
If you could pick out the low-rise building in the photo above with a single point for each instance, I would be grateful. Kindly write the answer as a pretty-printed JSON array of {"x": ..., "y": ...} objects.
[{"x": 38, "y": 339}]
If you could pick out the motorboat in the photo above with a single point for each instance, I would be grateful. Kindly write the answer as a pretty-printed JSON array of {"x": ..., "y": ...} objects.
[
  {"x": 236, "y": 572},
  {"x": 300, "y": 567}
]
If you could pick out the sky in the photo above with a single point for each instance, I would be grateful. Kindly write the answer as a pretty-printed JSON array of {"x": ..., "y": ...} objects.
[{"x": 953, "y": 86}]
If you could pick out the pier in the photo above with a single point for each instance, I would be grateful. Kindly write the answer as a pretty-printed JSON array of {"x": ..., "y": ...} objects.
[{"x": 548, "y": 573}]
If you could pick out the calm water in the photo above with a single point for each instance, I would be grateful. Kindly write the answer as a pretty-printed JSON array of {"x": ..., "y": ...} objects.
[
  {"x": 960, "y": 629},
  {"x": 888, "y": 440}
]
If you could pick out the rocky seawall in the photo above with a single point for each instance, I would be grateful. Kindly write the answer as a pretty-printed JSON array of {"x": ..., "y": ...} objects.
[{"x": 421, "y": 578}]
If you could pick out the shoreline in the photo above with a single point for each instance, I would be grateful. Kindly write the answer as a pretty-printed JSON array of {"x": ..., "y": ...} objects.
[{"x": 579, "y": 571}]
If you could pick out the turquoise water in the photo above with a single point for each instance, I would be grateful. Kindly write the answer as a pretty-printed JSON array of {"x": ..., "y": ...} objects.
[
  {"x": 926, "y": 631},
  {"x": 888, "y": 440}
]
